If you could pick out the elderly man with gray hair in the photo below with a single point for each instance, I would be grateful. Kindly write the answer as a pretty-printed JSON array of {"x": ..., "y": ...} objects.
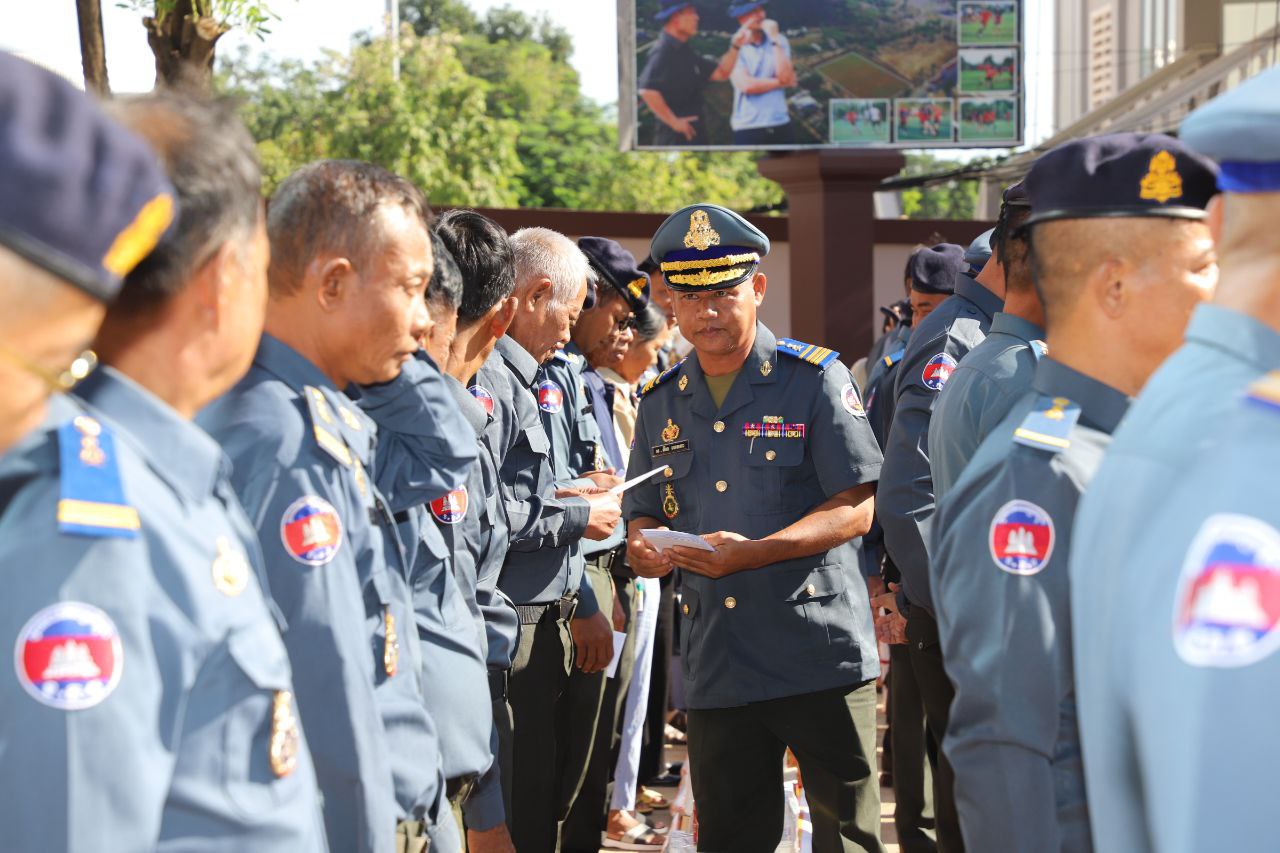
[{"x": 557, "y": 608}]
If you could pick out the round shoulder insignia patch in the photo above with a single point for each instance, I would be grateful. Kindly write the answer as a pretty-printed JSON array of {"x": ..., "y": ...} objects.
[
  {"x": 451, "y": 508},
  {"x": 68, "y": 656},
  {"x": 311, "y": 531},
  {"x": 937, "y": 371},
  {"x": 550, "y": 397},
  {"x": 1021, "y": 538},
  {"x": 1227, "y": 607},
  {"x": 852, "y": 405},
  {"x": 483, "y": 397}
]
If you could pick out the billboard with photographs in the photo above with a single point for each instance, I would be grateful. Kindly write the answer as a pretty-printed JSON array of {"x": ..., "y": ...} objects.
[{"x": 820, "y": 74}]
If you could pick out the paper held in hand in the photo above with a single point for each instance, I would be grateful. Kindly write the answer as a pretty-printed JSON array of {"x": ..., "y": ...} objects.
[
  {"x": 661, "y": 540},
  {"x": 634, "y": 481}
]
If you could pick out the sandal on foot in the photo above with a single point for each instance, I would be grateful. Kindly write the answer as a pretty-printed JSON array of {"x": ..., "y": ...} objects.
[
  {"x": 638, "y": 837},
  {"x": 673, "y": 736},
  {"x": 652, "y": 799}
]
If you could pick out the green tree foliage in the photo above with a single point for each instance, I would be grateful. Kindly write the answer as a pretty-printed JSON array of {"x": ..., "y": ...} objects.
[{"x": 957, "y": 199}]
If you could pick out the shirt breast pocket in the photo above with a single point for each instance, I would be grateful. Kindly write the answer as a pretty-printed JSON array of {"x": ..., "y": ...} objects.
[
  {"x": 262, "y": 750},
  {"x": 770, "y": 465}
]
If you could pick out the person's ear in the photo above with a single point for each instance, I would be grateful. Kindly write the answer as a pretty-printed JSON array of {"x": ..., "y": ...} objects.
[
  {"x": 760, "y": 284},
  {"x": 335, "y": 276},
  {"x": 503, "y": 313},
  {"x": 540, "y": 290},
  {"x": 1214, "y": 218},
  {"x": 1106, "y": 284}
]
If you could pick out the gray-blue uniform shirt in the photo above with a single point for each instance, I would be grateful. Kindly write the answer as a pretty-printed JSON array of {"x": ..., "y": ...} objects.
[
  {"x": 790, "y": 434},
  {"x": 904, "y": 500},
  {"x": 983, "y": 387},
  {"x": 1000, "y": 581},
  {"x": 543, "y": 528},
  {"x": 425, "y": 451},
  {"x": 1174, "y": 425},
  {"x": 150, "y": 705},
  {"x": 337, "y": 577}
]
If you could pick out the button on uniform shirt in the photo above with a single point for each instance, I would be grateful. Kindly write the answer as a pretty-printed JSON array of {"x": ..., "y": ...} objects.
[
  {"x": 904, "y": 501},
  {"x": 543, "y": 528},
  {"x": 424, "y": 454},
  {"x": 984, "y": 386},
  {"x": 340, "y": 584},
  {"x": 1002, "y": 588},
  {"x": 767, "y": 109},
  {"x": 787, "y": 437},
  {"x": 681, "y": 75},
  {"x": 151, "y": 702},
  {"x": 1174, "y": 424}
]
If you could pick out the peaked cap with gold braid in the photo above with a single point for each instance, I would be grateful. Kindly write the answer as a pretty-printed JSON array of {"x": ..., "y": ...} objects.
[{"x": 707, "y": 247}]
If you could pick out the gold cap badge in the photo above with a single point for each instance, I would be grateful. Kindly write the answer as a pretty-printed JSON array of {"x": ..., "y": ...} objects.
[
  {"x": 701, "y": 235},
  {"x": 283, "y": 747},
  {"x": 1162, "y": 181}
]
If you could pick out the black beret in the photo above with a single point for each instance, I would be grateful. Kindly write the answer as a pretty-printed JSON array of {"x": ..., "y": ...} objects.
[
  {"x": 80, "y": 196},
  {"x": 617, "y": 268},
  {"x": 934, "y": 270},
  {"x": 1121, "y": 174}
]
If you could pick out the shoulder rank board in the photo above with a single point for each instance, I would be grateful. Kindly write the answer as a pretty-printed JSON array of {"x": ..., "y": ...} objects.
[
  {"x": 567, "y": 357},
  {"x": 661, "y": 377},
  {"x": 893, "y": 358},
  {"x": 1266, "y": 391},
  {"x": 812, "y": 353},
  {"x": 327, "y": 431},
  {"x": 91, "y": 500},
  {"x": 1049, "y": 424}
]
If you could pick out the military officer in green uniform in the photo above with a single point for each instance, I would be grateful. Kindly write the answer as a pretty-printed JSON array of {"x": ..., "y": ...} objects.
[{"x": 765, "y": 452}]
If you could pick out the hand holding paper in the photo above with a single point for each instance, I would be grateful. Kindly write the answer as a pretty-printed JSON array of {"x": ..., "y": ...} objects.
[{"x": 661, "y": 540}]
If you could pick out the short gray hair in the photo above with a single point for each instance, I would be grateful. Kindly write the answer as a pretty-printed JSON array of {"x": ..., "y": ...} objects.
[{"x": 543, "y": 252}]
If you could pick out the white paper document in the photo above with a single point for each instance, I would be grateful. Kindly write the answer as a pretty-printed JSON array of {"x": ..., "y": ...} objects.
[
  {"x": 661, "y": 540},
  {"x": 618, "y": 639},
  {"x": 634, "y": 481}
]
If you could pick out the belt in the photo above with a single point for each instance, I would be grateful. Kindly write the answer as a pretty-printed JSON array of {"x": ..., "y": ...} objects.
[
  {"x": 607, "y": 560},
  {"x": 532, "y": 614},
  {"x": 498, "y": 684},
  {"x": 459, "y": 788}
]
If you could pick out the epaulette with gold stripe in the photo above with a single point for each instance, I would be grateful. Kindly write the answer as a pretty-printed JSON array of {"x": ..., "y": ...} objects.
[
  {"x": 327, "y": 432},
  {"x": 894, "y": 357},
  {"x": 1048, "y": 425},
  {"x": 812, "y": 353},
  {"x": 91, "y": 499},
  {"x": 1266, "y": 391},
  {"x": 661, "y": 377}
]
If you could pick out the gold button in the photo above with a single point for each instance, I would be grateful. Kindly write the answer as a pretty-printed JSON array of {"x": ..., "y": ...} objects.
[
  {"x": 718, "y": 426},
  {"x": 771, "y": 455},
  {"x": 721, "y": 485},
  {"x": 667, "y": 472},
  {"x": 811, "y": 589},
  {"x": 686, "y": 610},
  {"x": 730, "y": 603}
]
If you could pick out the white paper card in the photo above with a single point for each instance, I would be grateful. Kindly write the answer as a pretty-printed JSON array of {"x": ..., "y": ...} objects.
[
  {"x": 634, "y": 481},
  {"x": 661, "y": 540},
  {"x": 618, "y": 639}
]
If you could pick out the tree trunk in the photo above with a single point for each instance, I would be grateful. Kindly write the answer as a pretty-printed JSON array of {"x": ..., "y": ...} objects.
[
  {"x": 183, "y": 43},
  {"x": 93, "y": 53}
]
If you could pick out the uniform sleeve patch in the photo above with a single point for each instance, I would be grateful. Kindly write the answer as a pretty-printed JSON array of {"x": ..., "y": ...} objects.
[
  {"x": 849, "y": 399},
  {"x": 69, "y": 656},
  {"x": 483, "y": 397},
  {"x": 311, "y": 531},
  {"x": 451, "y": 508},
  {"x": 1021, "y": 538},
  {"x": 550, "y": 397},
  {"x": 937, "y": 371},
  {"x": 1227, "y": 607}
]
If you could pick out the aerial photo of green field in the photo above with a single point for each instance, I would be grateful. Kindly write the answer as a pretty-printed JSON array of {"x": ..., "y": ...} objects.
[
  {"x": 857, "y": 73},
  {"x": 988, "y": 22},
  {"x": 861, "y": 120},
  {"x": 988, "y": 120},
  {"x": 988, "y": 69}
]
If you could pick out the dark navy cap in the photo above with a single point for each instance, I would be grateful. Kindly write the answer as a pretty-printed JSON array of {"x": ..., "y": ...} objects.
[
  {"x": 667, "y": 8},
  {"x": 617, "y": 268},
  {"x": 80, "y": 196},
  {"x": 1015, "y": 195},
  {"x": 979, "y": 252},
  {"x": 934, "y": 270},
  {"x": 707, "y": 247},
  {"x": 1239, "y": 130},
  {"x": 1122, "y": 174},
  {"x": 737, "y": 10}
]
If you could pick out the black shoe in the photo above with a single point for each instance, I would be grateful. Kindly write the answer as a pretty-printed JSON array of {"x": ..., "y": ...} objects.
[{"x": 669, "y": 780}]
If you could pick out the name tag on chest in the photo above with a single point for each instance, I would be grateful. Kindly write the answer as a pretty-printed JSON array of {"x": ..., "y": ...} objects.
[{"x": 659, "y": 450}]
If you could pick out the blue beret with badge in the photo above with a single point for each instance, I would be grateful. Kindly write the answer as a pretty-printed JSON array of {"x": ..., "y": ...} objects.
[
  {"x": 80, "y": 196},
  {"x": 707, "y": 247},
  {"x": 617, "y": 268},
  {"x": 1121, "y": 174},
  {"x": 979, "y": 252},
  {"x": 1239, "y": 130},
  {"x": 934, "y": 270}
]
